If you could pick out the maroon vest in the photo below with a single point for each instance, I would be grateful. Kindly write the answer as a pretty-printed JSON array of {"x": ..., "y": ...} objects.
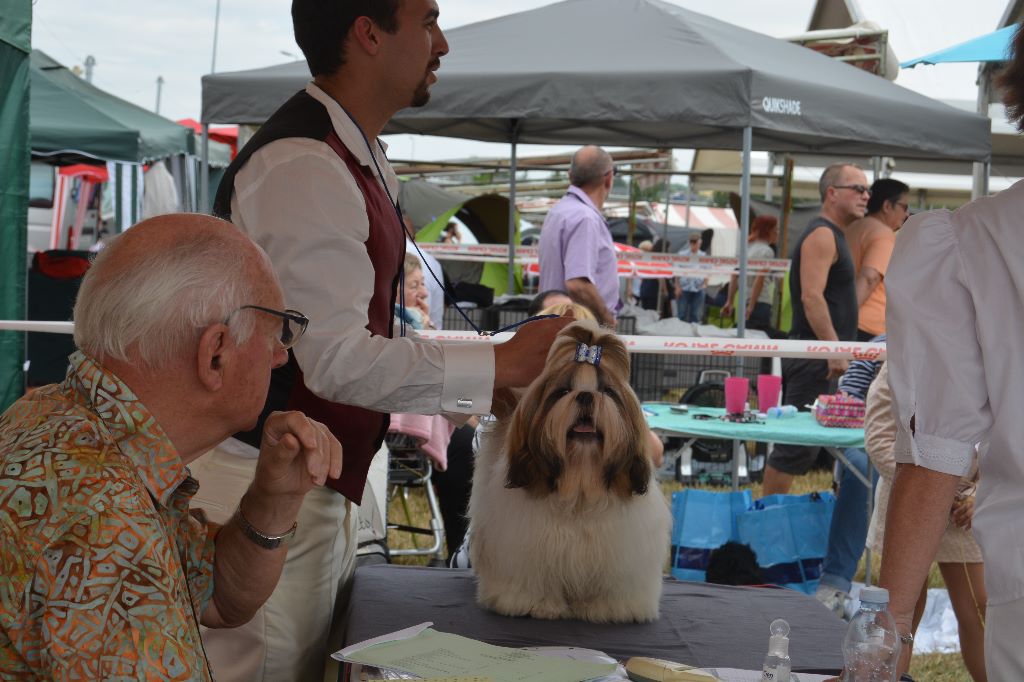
[{"x": 359, "y": 430}]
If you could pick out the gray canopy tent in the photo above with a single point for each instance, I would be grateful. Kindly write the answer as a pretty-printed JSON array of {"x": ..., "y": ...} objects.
[{"x": 645, "y": 73}]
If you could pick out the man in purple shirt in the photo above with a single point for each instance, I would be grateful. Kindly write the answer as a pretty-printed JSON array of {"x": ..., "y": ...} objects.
[{"x": 576, "y": 249}]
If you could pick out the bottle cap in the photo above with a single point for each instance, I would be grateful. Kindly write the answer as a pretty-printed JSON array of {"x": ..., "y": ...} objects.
[
  {"x": 778, "y": 643},
  {"x": 874, "y": 595}
]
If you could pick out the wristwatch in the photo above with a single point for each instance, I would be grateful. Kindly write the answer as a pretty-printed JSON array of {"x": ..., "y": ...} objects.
[
  {"x": 906, "y": 638},
  {"x": 262, "y": 539}
]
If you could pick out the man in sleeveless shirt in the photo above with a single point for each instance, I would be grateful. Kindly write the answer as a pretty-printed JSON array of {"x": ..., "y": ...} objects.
[
  {"x": 822, "y": 288},
  {"x": 315, "y": 190}
]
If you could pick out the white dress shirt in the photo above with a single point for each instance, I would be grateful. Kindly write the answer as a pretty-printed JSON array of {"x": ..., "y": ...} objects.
[
  {"x": 296, "y": 198},
  {"x": 955, "y": 324}
]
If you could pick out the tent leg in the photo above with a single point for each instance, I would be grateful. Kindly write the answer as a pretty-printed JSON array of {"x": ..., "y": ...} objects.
[
  {"x": 981, "y": 170},
  {"x": 204, "y": 171},
  {"x": 741, "y": 305},
  {"x": 512, "y": 210}
]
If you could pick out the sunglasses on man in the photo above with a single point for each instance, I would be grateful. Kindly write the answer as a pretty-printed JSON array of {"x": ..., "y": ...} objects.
[{"x": 859, "y": 189}]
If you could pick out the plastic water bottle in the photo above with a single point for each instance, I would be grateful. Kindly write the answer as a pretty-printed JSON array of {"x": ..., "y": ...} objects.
[
  {"x": 871, "y": 648},
  {"x": 782, "y": 412},
  {"x": 777, "y": 665}
]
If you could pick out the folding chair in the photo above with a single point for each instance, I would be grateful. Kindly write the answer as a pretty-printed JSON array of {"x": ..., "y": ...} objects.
[
  {"x": 715, "y": 455},
  {"x": 409, "y": 468}
]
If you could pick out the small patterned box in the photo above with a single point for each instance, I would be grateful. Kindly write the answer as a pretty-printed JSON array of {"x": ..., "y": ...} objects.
[{"x": 839, "y": 410}]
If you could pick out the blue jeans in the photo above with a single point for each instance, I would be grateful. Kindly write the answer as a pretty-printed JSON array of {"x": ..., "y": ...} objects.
[
  {"x": 691, "y": 305},
  {"x": 849, "y": 528}
]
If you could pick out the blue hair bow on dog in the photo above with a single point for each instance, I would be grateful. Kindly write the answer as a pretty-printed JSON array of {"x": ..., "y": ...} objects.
[{"x": 588, "y": 354}]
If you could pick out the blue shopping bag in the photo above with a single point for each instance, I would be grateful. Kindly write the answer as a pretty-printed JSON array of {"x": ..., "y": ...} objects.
[
  {"x": 702, "y": 521},
  {"x": 789, "y": 534}
]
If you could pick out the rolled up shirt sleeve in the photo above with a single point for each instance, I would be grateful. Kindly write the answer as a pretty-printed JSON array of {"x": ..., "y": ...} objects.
[
  {"x": 300, "y": 203},
  {"x": 936, "y": 372}
]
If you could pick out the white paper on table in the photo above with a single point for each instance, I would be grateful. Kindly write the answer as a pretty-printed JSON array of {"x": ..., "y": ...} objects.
[
  {"x": 407, "y": 633},
  {"x": 737, "y": 675}
]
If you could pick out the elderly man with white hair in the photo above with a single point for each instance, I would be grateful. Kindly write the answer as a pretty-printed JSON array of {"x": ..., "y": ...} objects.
[{"x": 106, "y": 572}]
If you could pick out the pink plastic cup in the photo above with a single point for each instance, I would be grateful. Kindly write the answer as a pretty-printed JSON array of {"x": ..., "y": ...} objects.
[
  {"x": 736, "y": 390},
  {"x": 768, "y": 388}
]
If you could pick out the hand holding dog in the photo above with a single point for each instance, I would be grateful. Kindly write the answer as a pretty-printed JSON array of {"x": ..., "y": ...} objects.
[{"x": 520, "y": 360}]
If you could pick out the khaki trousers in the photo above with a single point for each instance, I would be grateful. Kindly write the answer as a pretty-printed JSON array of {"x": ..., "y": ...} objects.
[{"x": 292, "y": 635}]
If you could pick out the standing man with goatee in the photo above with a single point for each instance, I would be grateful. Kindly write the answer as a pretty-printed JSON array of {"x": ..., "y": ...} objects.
[
  {"x": 314, "y": 188},
  {"x": 823, "y": 291}
]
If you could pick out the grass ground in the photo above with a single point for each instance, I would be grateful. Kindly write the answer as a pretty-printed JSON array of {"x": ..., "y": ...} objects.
[{"x": 924, "y": 668}]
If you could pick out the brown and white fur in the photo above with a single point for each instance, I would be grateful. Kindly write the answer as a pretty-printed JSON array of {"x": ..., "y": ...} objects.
[{"x": 567, "y": 519}]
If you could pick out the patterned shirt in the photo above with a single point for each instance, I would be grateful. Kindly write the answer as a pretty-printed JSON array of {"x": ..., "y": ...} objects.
[
  {"x": 692, "y": 284},
  {"x": 105, "y": 571}
]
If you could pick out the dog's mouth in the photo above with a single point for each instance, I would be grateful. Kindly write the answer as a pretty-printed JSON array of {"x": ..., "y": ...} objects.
[{"x": 584, "y": 428}]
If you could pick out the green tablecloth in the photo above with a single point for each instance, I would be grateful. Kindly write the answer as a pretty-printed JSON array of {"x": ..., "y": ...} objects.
[{"x": 799, "y": 430}]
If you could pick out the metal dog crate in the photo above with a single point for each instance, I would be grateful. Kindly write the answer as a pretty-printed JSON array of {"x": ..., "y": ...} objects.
[
  {"x": 667, "y": 377},
  {"x": 454, "y": 321}
]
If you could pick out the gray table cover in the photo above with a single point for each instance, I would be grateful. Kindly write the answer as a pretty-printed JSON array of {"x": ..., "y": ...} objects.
[{"x": 700, "y": 624}]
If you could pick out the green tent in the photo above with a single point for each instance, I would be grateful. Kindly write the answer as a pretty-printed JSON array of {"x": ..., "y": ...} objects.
[
  {"x": 73, "y": 121},
  {"x": 431, "y": 207},
  {"x": 15, "y": 42}
]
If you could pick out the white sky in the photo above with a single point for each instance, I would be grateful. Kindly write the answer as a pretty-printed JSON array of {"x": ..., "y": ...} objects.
[{"x": 135, "y": 42}]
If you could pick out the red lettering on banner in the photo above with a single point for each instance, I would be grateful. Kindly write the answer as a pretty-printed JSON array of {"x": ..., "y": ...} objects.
[
  {"x": 726, "y": 353},
  {"x": 870, "y": 354}
]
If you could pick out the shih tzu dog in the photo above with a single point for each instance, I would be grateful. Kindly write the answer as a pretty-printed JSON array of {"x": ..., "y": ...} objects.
[{"x": 567, "y": 519}]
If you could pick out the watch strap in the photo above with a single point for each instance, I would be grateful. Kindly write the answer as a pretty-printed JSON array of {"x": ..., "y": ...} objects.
[{"x": 260, "y": 538}]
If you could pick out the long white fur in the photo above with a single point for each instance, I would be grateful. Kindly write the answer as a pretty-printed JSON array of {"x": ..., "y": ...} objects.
[{"x": 599, "y": 560}]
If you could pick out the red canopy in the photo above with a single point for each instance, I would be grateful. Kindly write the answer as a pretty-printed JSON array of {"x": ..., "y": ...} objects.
[
  {"x": 223, "y": 134},
  {"x": 93, "y": 173}
]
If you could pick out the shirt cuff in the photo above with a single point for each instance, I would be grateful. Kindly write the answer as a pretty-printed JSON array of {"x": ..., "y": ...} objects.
[
  {"x": 468, "y": 378},
  {"x": 944, "y": 455}
]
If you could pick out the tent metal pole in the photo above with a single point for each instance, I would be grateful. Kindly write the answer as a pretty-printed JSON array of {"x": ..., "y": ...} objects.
[
  {"x": 512, "y": 209},
  {"x": 662, "y": 291},
  {"x": 982, "y": 169},
  {"x": 741, "y": 306},
  {"x": 204, "y": 171}
]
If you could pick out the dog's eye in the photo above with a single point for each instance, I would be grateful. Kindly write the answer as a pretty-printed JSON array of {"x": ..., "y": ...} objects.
[
  {"x": 562, "y": 392},
  {"x": 607, "y": 390}
]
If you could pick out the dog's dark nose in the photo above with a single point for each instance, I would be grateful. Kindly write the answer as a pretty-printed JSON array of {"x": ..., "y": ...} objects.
[{"x": 585, "y": 399}]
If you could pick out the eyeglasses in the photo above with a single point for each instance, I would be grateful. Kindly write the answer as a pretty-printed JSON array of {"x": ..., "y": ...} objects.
[
  {"x": 293, "y": 323},
  {"x": 902, "y": 204},
  {"x": 859, "y": 189}
]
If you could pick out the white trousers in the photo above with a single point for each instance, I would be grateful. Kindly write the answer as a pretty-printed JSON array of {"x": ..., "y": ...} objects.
[
  {"x": 1004, "y": 634},
  {"x": 292, "y": 635}
]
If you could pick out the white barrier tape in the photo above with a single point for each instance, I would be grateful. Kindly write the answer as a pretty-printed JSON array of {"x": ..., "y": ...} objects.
[
  {"x": 679, "y": 345},
  {"x": 499, "y": 252},
  {"x": 641, "y": 270},
  {"x": 663, "y": 345},
  {"x": 37, "y": 326}
]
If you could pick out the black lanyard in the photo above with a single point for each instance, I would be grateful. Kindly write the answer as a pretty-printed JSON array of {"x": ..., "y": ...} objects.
[{"x": 426, "y": 265}]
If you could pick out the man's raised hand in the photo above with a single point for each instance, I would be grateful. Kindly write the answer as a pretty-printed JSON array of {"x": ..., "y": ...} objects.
[{"x": 296, "y": 454}]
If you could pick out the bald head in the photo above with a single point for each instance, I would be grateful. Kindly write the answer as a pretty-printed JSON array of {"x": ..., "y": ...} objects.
[
  {"x": 589, "y": 167},
  {"x": 148, "y": 295}
]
